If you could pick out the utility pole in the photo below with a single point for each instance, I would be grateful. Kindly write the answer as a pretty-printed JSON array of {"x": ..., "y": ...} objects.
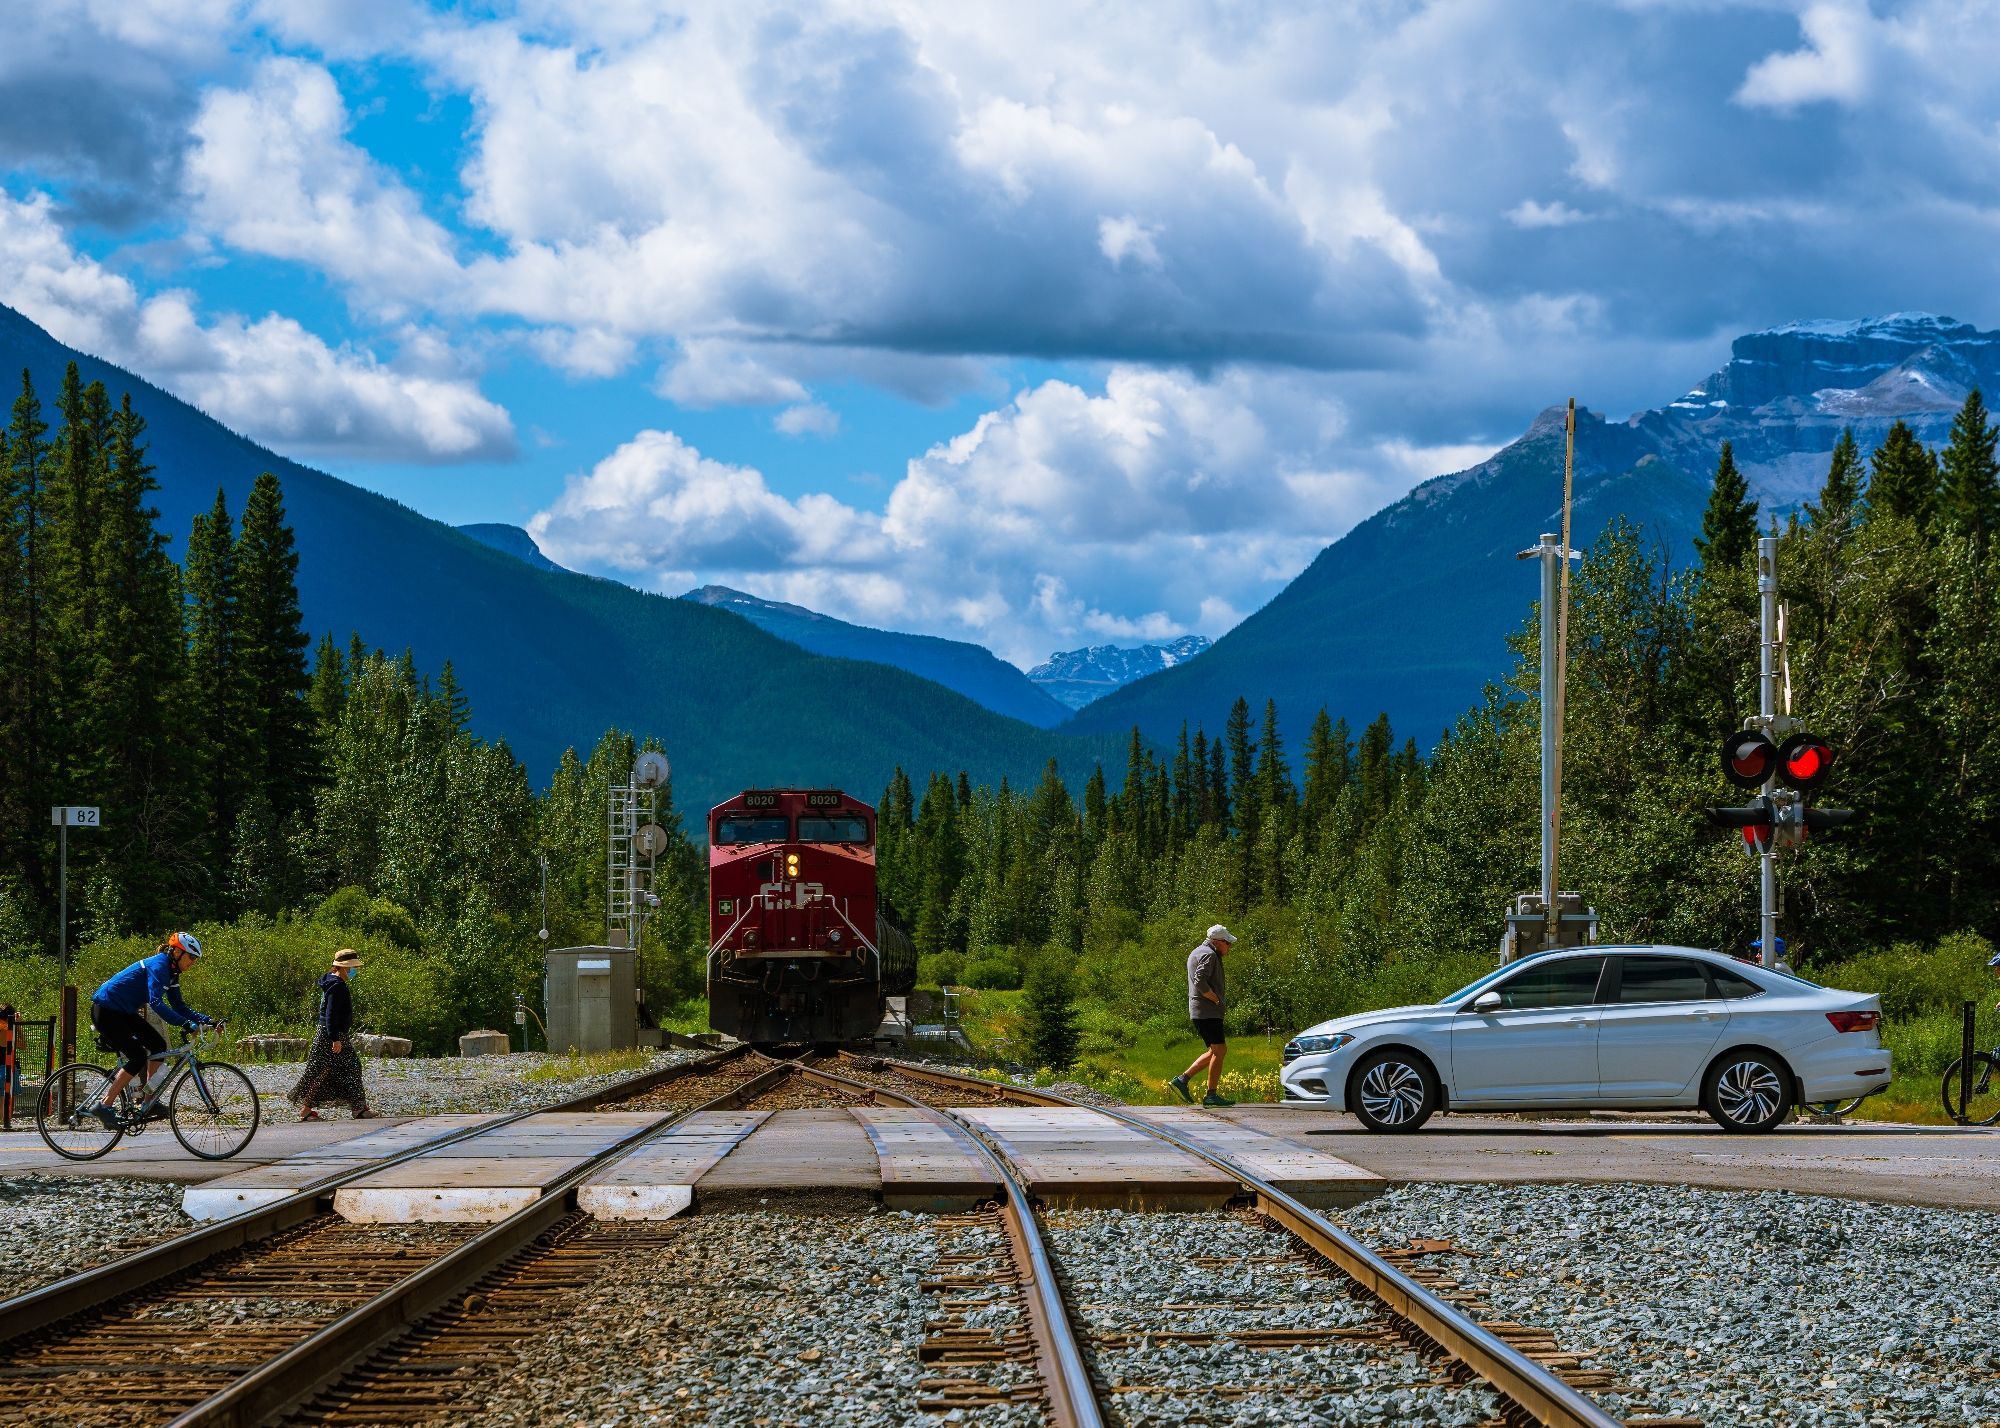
[
  {"x": 1767, "y": 716},
  {"x": 1537, "y": 921}
]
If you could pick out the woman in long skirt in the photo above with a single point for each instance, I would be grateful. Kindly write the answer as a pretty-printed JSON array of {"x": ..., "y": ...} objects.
[{"x": 333, "y": 1066}]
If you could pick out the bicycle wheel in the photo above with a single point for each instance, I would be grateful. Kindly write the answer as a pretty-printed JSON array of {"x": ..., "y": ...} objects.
[
  {"x": 1982, "y": 1105},
  {"x": 1829, "y": 1110},
  {"x": 214, "y": 1110},
  {"x": 62, "y": 1114}
]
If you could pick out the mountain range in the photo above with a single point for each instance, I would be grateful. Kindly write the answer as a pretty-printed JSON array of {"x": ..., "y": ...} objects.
[
  {"x": 550, "y": 659},
  {"x": 971, "y": 670},
  {"x": 1079, "y": 677},
  {"x": 1409, "y": 611}
]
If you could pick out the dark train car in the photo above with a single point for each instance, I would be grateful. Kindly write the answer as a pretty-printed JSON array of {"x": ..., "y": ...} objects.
[{"x": 793, "y": 941}]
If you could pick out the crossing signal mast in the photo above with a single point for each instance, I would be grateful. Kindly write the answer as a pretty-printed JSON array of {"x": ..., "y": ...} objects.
[{"x": 1785, "y": 775}]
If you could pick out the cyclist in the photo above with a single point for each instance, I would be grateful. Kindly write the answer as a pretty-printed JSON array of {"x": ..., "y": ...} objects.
[{"x": 117, "y": 1012}]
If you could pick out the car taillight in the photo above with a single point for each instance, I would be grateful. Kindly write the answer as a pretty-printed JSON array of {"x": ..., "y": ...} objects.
[{"x": 1854, "y": 1021}]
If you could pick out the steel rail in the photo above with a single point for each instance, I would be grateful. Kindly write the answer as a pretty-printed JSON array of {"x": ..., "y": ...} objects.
[
  {"x": 1058, "y": 1355},
  {"x": 1534, "y": 1389},
  {"x": 90, "y": 1289},
  {"x": 317, "y": 1362}
]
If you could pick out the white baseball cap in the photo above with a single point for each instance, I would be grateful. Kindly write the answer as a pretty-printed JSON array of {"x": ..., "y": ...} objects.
[{"x": 1224, "y": 933}]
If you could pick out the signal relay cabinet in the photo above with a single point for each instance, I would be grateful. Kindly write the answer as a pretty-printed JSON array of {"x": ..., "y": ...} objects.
[{"x": 592, "y": 998}]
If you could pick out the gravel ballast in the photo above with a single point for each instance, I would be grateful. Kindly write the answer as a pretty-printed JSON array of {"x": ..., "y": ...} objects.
[
  {"x": 750, "y": 1318},
  {"x": 1734, "y": 1307},
  {"x": 448, "y": 1085},
  {"x": 1137, "y": 1281},
  {"x": 51, "y": 1226}
]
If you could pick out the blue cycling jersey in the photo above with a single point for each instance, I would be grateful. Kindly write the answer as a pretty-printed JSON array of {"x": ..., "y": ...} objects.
[{"x": 152, "y": 982}]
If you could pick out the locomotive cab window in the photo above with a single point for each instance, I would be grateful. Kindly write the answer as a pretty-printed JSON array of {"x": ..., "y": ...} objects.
[
  {"x": 833, "y": 830},
  {"x": 752, "y": 830}
]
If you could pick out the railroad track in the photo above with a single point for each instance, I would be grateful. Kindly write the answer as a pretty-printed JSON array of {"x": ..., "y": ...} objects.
[
  {"x": 241, "y": 1321},
  {"x": 1530, "y": 1377},
  {"x": 291, "y": 1314}
]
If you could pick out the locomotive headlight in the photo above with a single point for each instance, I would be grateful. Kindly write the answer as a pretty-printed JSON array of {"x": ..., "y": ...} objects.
[{"x": 791, "y": 865}]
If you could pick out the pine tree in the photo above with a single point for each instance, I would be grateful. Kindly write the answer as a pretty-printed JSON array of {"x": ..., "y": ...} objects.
[
  {"x": 1729, "y": 524},
  {"x": 1242, "y": 767},
  {"x": 215, "y": 718},
  {"x": 133, "y": 676},
  {"x": 1049, "y": 1004},
  {"x": 1840, "y": 497},
  {"x": 272, "y": 641},
  {"x": 329, "y": 686},
  {"x": 27, "y": 624},
  {"x": 1904, "y": 480},
  {"x": 1970, "y": 500}
]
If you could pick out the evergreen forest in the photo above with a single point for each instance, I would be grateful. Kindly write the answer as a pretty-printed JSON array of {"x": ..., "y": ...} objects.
[{"x": 285, "y": 791}]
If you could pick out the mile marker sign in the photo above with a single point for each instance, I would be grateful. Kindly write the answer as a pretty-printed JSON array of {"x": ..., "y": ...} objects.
[{"x": 73, "y": 817}]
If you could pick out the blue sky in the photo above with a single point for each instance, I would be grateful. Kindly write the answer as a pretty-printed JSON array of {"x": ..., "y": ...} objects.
[{"x": 1024, "y": 323}]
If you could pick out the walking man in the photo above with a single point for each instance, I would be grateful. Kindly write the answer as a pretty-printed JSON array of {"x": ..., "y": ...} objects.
[{"x": 1205, "y": 1005}]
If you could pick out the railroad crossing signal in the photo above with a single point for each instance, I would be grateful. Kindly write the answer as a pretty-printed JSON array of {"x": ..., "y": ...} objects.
[
  {"x": 1748, "y": 758},
  {"x": 1783, "y": 815}
]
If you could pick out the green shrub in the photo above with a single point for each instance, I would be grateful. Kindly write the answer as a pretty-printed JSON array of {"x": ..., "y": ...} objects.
[
  {"x": 1102, "y": 1031},
  {"x": 262, "y": 976},
  {"x": 994, "y": 974},
  {"x": 1912, "y": 981},
  {"x": 940, "y": 969},
  {"x": 377, "y": 916}
]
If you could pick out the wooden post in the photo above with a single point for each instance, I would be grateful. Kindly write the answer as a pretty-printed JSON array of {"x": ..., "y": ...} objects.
[
  {"x": 1965, "y": 1063},
  {"x": 9, "y": 1059},
  {"x": 66, "y": 1027}
]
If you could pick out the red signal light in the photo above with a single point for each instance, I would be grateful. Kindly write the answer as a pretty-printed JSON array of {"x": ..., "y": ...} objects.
[
  {"x": 1804, "y": 761},
  {"x": 1748, "y": 759}
]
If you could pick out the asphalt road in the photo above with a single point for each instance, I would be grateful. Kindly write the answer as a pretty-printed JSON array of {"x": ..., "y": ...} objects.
[{"x": 1946, "y": 1166}]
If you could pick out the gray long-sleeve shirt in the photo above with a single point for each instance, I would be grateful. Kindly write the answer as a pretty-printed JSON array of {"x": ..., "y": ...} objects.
[{"x": 1204, "y": 975}]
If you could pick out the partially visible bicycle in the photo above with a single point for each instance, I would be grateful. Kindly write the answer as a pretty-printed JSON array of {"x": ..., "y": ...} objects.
[
  {"x": 1982, "y": 1094},
  {"x": 1830, "y": 1110},
  {"x": 211, "y": 1105}
]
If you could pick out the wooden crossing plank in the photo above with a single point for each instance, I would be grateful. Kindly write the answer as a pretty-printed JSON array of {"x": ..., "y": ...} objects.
[
  {"x": 259, "y": 1185},
  {"x": 657, "y": 1180},
  {"x": 927, "y": 1161},
  {"x": 799, "y": 1150},
  {"x": 1307, "y": 1174},
  {"x": 1073, "y": 1155},
  {"x": 488, "y": 1177}
]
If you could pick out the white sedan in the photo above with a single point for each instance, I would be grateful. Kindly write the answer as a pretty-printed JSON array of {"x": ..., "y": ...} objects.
[{"x": 1628, "y": 1028}]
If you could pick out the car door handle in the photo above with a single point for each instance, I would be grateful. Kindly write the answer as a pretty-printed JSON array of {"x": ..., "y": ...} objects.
[
  {"x": 1704, "y": 1016},
  {"x": 1578, "y": 1021}
]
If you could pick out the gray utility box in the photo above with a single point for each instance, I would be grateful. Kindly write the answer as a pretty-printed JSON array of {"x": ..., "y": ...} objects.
[{"x": 592, "y": 997}]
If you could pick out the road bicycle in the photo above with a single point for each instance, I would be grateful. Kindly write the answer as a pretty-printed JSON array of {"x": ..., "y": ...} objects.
[
  {"x": 211, "y": 1105},
  {"x": 1982, "y": 1098}
]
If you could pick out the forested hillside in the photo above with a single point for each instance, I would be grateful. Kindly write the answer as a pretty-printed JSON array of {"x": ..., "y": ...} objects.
[
  {"x": 547, "y": 656},
  {"x": 1365, "y": 874}
]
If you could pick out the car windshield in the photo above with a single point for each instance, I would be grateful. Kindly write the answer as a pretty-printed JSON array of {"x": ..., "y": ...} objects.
[{"x": 752, "y": 830}]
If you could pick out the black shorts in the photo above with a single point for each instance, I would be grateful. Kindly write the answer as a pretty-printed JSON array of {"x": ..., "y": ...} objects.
[
  {"x": 1209, "y": 1029},
  {"x": 128, "y": 1034}
]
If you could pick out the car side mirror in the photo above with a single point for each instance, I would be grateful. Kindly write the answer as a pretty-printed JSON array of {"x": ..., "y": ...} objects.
[{"x": 1485, "y": 1002}]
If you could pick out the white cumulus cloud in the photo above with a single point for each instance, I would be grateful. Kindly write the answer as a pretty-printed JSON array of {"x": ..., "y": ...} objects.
[{"x": 269, "y": 378}]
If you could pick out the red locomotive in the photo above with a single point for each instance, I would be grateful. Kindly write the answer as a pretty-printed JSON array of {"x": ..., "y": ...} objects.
[{"x": 794, "y": 947}]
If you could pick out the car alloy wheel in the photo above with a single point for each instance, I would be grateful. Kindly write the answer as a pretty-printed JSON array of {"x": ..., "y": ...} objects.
[
  {"x": 1394, "y": 1094},
  {"x": 1750, "y": 1094}
]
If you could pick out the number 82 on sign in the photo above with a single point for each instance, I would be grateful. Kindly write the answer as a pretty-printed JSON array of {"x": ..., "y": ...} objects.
[{"x": 73, "y": 817}]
